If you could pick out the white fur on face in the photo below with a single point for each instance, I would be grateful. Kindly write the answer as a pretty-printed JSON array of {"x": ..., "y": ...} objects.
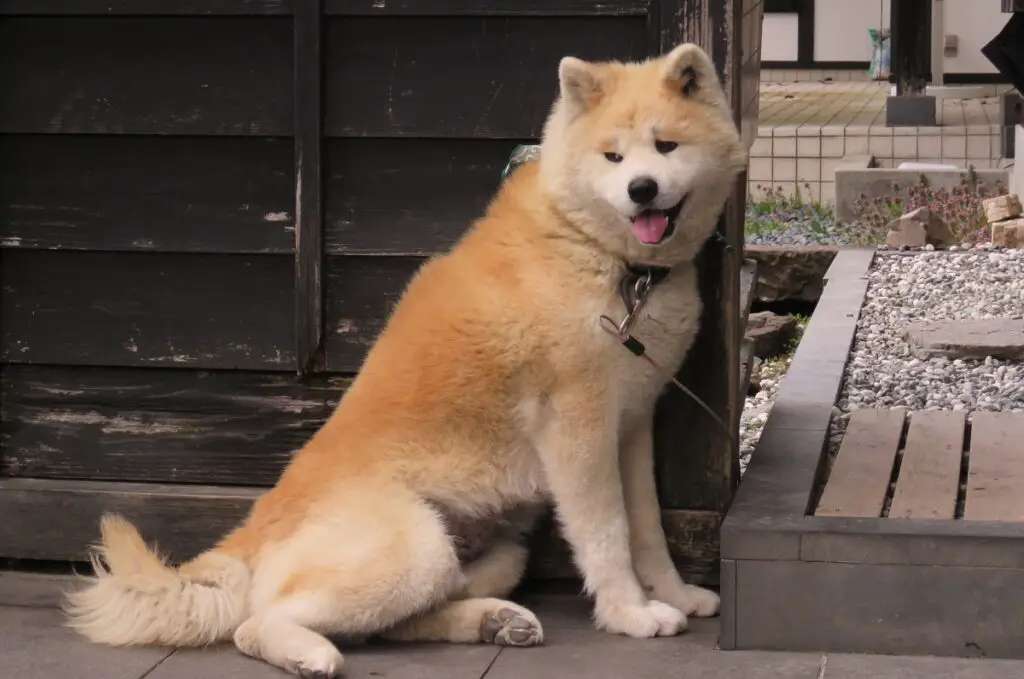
[{"x": 677, "y": 172}]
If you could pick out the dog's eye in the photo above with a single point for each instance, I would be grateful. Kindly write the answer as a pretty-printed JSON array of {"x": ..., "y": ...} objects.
[
  {"x": 665, "y": 146},
  {"x": 613, "y": 157}
]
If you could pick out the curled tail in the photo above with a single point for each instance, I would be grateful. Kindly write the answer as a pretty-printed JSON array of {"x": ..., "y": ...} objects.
[{"x": 136, "y": 598}]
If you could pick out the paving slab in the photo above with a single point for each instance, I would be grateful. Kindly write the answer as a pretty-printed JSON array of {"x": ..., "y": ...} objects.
[
  {"x": 35, "y": 645},
  {"x": 380, "y": 661},
  {"x": 883, "y": 667},
  {"x": 974, "y": 338}
]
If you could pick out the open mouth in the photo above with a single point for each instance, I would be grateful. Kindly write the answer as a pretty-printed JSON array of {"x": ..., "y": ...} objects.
[{"x": 652, "y": 227}]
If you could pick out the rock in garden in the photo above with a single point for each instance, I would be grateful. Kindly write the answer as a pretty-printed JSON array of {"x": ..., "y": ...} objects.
[
  {"x": 1001, "y": 338},
  {"x": 770, "y": 333},
  {"x": 908, "y": 229},
  {"x": 1009, "y": 233},
  {"x": 1002, "y": 207},
  {"x": 906, "y": 234},
  {"x": 790, "y": 272}
]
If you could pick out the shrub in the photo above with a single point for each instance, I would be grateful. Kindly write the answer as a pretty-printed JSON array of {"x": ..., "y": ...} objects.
[{"x": 961, "y": 209}]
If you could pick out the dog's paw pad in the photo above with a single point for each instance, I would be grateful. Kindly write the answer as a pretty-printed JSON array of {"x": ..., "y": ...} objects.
[{"x": 511, "y": 627}]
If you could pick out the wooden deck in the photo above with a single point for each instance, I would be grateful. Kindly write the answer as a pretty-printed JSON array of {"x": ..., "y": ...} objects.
[{"x": 928, "y": 465}]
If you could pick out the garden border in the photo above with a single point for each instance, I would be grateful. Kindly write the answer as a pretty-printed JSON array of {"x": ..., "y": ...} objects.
[{"x": 796, "y": 582}]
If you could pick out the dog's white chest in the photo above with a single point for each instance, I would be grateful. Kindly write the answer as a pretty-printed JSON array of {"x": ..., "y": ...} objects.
[{"x": 666, "y": 326}]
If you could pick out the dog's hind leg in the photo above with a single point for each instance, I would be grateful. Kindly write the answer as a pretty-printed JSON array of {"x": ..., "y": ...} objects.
[
  {"x": 349, "y": 572},
  {"x": 497, "y": 572},
  {"x": 470, "y": 621}
]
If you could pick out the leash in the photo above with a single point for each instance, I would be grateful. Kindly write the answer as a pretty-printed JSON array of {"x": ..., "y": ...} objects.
[{"x": 634, "y": 290}]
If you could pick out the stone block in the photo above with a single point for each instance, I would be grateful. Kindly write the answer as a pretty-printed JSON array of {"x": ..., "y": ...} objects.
[
  {"x": 1001, "y": 338},
  {"x": 770, "y": 333},
  {"x": 1001, "y": 208}
]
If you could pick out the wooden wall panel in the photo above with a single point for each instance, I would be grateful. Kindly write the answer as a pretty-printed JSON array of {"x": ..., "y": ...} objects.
[
  {"x": 158, "y": 425},
  {"x": 166, "y": 194},
  {"x": 146, "y": 310},
  {"x": 135, "y": 75},
  {"x": 490, "y": 78}
]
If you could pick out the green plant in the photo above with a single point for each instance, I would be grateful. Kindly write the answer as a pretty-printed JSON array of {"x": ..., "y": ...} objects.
[{"x": 777, "y": 211}]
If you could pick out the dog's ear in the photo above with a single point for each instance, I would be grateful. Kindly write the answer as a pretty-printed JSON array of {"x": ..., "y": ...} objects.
[
  {"x": 580, "y": 82},
  {"x": 688, "y": 70}
]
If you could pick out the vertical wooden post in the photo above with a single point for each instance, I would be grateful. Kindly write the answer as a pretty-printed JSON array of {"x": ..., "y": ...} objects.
[
  {"x": 695, "y": 459},
  {"x": 911, "y": 45},
  {"x": 911, "y": 57},
  {"x": 308, "y": 81}
]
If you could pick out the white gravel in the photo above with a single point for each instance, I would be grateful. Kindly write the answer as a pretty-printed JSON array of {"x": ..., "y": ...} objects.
[
  {"x": 755, "y": 415},
  {"x": 883, "y": 370}
]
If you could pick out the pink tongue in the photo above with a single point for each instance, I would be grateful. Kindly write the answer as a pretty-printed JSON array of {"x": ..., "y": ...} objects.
[{"x": 650, "y": 227}]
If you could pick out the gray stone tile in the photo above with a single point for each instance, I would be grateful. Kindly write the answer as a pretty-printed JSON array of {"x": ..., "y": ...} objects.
[
  {"x": 897, "y": 667},
  {"x": 34, "y": 644},
  {"x": 573, "y": 648},
  {"x": 577, "y": 653},
  {"x": 383, "y": 661}
]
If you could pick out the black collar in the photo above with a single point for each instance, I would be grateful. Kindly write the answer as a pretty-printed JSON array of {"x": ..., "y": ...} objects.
[{"x": 634, "y": 273}]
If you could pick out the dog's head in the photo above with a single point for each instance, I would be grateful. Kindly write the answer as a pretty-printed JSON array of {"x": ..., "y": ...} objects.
[{"x": 642, "y": 156}]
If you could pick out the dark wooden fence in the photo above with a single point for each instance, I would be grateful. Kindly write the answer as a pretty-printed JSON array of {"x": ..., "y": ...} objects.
[{"x": 207, "y": 208}]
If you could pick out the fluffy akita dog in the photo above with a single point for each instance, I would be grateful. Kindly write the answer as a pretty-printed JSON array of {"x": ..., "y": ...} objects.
[{"x": 493, "y": 390}]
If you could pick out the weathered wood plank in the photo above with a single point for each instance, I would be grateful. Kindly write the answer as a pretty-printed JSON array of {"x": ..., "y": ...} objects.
[
  {"x": 930, "y": 472},
  {"x": 199, "y": 311},
  {"x": 534, "y": 8},
  {"x": 995, "y": 478},
  {"x": 194, "y": 194},
  {"x": 859, "y": 481},
  {"x": 58, "y": 520},
  {"x": 432, "y": 191},
  {"x": 126, "y": 75},
  {"x": 309, "y": 221},
  {"x": 158, "y": 425},
  {"x": 360, "y": 293},
  {"x": 488, "y": 78},
  {"x": 145, "y": 7}
]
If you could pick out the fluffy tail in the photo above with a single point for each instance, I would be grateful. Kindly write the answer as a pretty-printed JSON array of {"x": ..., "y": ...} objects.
[{"x": 136, "y": 598}]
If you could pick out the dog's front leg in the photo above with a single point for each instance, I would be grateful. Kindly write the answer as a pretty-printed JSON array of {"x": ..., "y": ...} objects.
[
  {"x": 651, "y": 557},
  {"x": 578, "y": 447}
]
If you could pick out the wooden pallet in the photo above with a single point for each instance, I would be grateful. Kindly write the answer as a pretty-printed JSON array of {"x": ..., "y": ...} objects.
[{"x": 928, "y": 465}]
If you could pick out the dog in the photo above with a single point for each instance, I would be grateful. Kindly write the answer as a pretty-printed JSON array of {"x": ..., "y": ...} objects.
[{"x": 495, "y": 389}]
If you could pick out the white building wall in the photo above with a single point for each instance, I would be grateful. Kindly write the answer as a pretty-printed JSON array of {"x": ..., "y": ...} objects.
[
  {"x": 841, "y": 28},
  {"x": 974, "y": 22},
  {"x": 779, "y": 37}
]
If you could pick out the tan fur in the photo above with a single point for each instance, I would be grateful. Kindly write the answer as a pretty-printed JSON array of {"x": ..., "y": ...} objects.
[{"x": 491, "y": 387}]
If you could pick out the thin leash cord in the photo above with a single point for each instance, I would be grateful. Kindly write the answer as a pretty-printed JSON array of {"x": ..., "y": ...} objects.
[{"x": 682, "y": 387}]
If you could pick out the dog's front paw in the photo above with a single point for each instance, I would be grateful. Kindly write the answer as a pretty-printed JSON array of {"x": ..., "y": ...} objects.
[
  {"x": 691, "y": 600},
  {"x": 643, "y": 621}
]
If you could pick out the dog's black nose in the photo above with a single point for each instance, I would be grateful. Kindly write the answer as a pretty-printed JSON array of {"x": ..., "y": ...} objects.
[{"x": 642, "y": 190}]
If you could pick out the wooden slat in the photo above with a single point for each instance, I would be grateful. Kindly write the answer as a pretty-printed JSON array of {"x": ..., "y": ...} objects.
[
  {"x": 860, "y": 475},
  {"x": 192, "y": 194},
  {"x": 995, "y": 479},
  {"x": 930, "y": 473},
  {"x": 145, "y": 7},
  {"x": 487, "y": 78},
  {"x": 147, "y": 310},
  {"x": 535, "y": 8},
  {"x": 359, "y": 295},
  {"x": 309, "y": 222},
  {"x": 158, "y": 425},
  {"x": 407, "y": 196},
  {"x": 58, "y": 520},
  {"x": 126, "y": 75}
]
